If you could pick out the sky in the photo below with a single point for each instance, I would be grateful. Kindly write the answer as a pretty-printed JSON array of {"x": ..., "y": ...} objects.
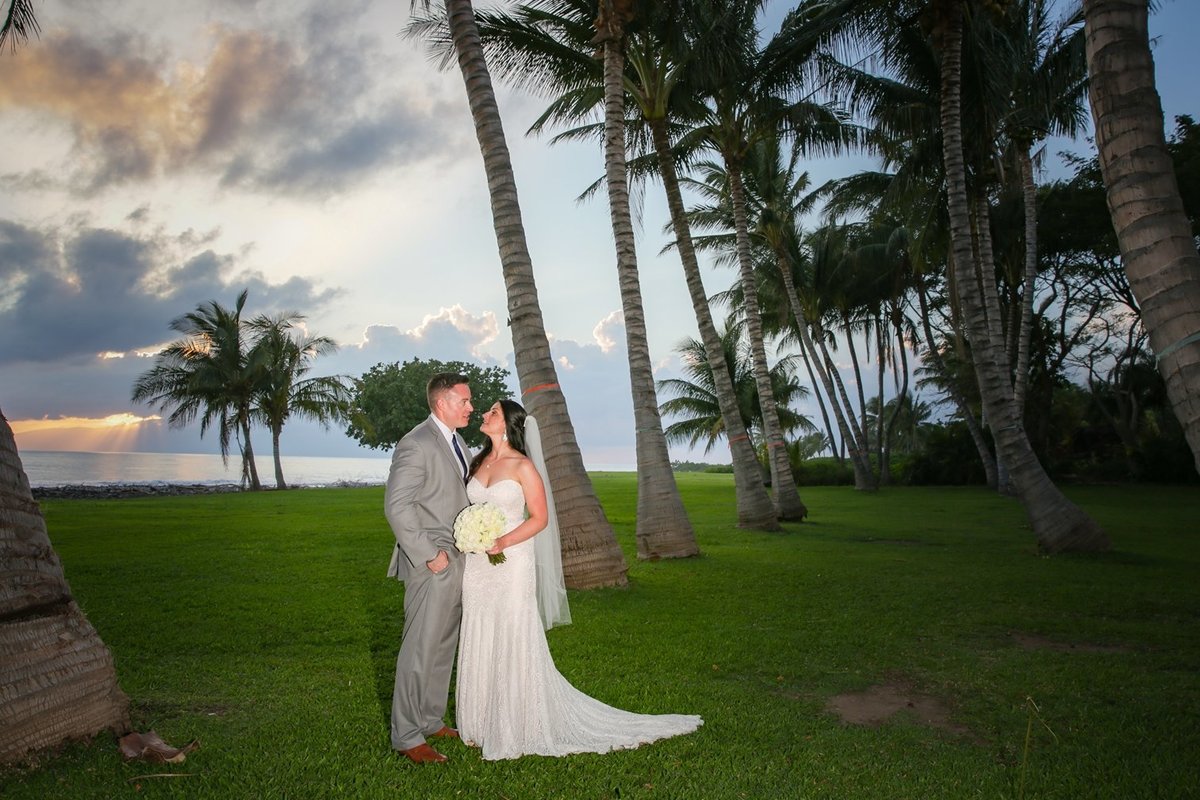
[{"x": 160, "y": 155}]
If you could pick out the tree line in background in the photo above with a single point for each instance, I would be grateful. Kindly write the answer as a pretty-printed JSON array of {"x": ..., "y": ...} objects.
[{"x": 1095, "y": 405}]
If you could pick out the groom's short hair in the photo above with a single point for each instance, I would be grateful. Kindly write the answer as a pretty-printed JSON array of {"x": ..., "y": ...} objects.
[{"x": 441, "y": 383}]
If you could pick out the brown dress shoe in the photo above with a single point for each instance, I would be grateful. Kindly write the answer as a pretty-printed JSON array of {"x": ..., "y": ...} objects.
[
  {"x": 445, "y": 732},
  {"x": 424, "y": 754}
]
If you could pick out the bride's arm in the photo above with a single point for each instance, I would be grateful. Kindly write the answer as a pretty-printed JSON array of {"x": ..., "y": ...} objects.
[{"x": 535, "y": 503}]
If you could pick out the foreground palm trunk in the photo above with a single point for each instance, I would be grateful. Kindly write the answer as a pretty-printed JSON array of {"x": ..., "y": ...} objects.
[
  {"x": 57, "y": 680},
  {"x": 1025, "y": 332},
  {"x": 591, "y": 556},
  {"x": 663, "y": 527},
  {"x": 1057, "y": 522},
  {"x": 1143, "y": 198}
]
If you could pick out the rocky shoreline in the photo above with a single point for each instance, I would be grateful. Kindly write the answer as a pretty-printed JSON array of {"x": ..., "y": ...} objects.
[{"x": 113, "y": 491}]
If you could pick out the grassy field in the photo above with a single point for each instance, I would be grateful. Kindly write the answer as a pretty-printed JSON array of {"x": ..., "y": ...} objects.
[{"x": 263, "y": 626}]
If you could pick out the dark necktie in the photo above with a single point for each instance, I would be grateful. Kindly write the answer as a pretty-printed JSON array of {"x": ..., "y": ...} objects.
[{"x": 458, "y": 452}]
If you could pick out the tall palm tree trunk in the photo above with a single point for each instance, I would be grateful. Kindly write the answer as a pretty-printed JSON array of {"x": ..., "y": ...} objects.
[
  {"x": 858, "y": 442},
  {"x": 901, "y": 391},
  {"x": 864, "y": 480},
  {"x": 956, "y": 396},
  {"x": 985, "y": 270},
  {"x": 1057, "y": 522},
  {"x": 787, "y": 497},
  {"x": 881, "y": 449},
  {"x": 591, "y": 556},
  {"x": 820, "y": 395},
  {"x": 754, "y": 508},
  {"x": 249, "y": 466},
  {"x": 848, "y": 326},
  {"x": 1029, "y": 196},
  {"x": 276, "y": 432},
  {"x": 663, "y": 527},
  {"x": 1156, "y": 243},
  {"x": 57, "y": 679}
]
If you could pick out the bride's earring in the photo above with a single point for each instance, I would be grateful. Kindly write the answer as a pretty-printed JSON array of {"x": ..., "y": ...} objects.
[{"x": 504, "y": 437}]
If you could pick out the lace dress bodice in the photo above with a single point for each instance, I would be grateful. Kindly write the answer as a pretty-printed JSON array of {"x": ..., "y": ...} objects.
[{"x": 506, "y": 494}]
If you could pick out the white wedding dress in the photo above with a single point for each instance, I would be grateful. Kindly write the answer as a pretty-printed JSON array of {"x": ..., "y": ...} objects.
[{"x": 511, "y": 701}]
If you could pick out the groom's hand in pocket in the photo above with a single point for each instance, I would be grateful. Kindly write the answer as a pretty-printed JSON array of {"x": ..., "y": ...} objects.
[{"x": 440, "y": 562}]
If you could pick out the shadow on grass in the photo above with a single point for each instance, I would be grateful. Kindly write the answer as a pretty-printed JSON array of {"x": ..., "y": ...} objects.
[{"x": 383, "y": 604}]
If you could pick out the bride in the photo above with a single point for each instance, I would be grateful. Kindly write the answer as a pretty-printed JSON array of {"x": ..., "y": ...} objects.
[{"x": 511, "y": 701}]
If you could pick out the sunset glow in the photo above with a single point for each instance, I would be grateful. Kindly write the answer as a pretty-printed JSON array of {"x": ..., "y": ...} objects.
[{"x": 114, "y": 433}]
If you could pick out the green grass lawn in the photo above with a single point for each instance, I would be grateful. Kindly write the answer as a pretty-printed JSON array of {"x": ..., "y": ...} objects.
[{"x": 263, "y": 625}]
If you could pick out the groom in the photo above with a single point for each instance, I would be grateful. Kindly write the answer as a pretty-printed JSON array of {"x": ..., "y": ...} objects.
[{"x": 425, "y": 491}]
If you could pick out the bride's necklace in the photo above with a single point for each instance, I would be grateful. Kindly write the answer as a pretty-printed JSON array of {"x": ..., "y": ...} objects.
[{"x": 495, "y": 456}]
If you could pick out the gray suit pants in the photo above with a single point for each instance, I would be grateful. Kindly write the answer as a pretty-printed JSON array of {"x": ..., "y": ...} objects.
[{"x": 432, "y": 614}]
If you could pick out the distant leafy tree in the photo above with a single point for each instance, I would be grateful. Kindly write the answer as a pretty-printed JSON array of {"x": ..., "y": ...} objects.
[{"x": 389, "y": 399}]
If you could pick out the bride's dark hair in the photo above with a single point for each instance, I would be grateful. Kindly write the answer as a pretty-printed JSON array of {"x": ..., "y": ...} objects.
[{"x": 514, "y": 429}]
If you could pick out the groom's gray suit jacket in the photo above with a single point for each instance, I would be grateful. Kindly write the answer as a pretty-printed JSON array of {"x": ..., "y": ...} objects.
[{"x": 425, "y": 492}]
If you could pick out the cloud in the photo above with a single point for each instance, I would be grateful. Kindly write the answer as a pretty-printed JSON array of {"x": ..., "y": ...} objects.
[
  {"x": 608, "y": 330},
  {"x": 74, "y": 292},
  {"x": 452, "y": 334},
  {"x": 306, "y": 107}
]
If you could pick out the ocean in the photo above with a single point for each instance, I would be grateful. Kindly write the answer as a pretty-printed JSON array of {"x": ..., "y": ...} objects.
[
  {"x": 58, "y": 468},
  {"x": 54, "y": 468}
]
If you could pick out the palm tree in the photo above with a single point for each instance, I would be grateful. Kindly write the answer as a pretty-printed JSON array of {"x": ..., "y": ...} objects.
[
  {"x": 694, "y": 403},
  {"x": 591, "y": 555},
  {"x": 777, "y": 196},
  {"x": 208, "y": 374},
  {"x": 658, "y": 62},
  {"x": 1048, "y": 87},
  {"x": 1156, "y": 242},
  {"x": 58, "y": 677},
  {"x": 1057, "y": 522},
  {"x": 284, "y": 357},
  {"x": 550, "y": 46},
  {"x": 663, "y": 527},
  {"x": 661, "y": 62},
  {"x": 909, "y": 192},
  {"x": 744, "y": 108}
]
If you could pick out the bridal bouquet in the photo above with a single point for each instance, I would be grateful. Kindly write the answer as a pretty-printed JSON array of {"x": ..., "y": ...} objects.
[{"x": 477, "y": 527}]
